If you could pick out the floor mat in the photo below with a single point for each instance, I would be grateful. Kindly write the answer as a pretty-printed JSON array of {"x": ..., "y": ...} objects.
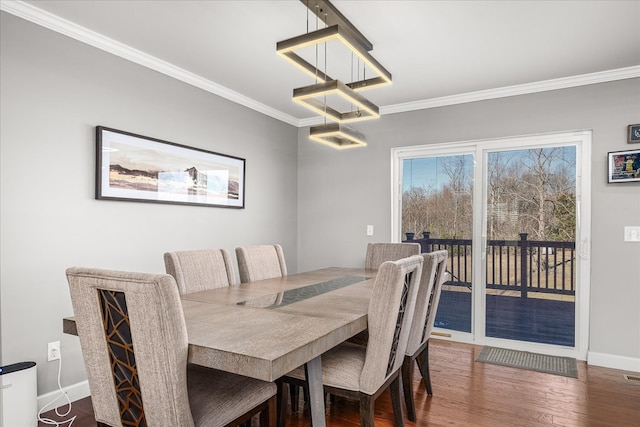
[{"x": 565, "y": 366}]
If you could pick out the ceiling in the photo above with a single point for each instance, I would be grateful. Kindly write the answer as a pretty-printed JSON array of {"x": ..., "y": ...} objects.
[{"x": 438, "y": 52}]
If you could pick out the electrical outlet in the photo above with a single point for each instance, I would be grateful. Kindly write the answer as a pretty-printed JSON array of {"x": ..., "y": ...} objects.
[{"x": 53, "y": 351}]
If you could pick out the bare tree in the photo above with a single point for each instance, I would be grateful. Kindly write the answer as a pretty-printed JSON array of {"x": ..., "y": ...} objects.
[
  {"x": 459, "y": 188},
  {"x": 544, "y": 179},
  {"x": 502, "y": 185},
  {"x": 528, "y": 191},
  {"x": 415, "y": 212}
]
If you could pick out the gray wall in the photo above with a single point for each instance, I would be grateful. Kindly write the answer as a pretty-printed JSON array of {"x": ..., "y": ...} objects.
[
  {"x": 54, "y": 91},
  {"x": 340, "y": 192}
]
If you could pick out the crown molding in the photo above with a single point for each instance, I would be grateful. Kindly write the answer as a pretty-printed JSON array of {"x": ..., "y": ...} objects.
[
  {"x": 523, "y": 89},
  {"x": 311, "y": 121},
  {"x": 92, "y": 38}
]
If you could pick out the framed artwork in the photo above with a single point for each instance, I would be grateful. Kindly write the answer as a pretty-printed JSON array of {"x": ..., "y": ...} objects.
[
  {"x": 138, "y": 168},
  {"x": 633, "y": 134},
  {"x": 624, "y": 166}
]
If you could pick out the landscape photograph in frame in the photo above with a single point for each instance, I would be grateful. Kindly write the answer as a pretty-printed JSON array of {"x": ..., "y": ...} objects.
[{"x": 132, "y": 167}]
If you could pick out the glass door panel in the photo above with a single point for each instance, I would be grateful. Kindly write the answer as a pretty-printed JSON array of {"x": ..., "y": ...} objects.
[
  {"x": 437, "y": 196},
  {"x": 530, "y": 246}
]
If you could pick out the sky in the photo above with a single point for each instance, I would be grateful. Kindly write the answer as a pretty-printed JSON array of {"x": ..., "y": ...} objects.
[{"x": 429, "y": 171}]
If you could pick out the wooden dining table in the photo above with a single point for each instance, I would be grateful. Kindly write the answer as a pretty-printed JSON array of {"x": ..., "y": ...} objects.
[{"x": 267, "y": 328}]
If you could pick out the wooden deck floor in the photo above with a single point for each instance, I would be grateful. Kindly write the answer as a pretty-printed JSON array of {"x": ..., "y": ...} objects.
[{"x": 523, "y": 319}]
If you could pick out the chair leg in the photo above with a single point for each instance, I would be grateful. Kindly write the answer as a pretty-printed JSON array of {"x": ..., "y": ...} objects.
[
  {"x": 281, "y": 403},
  {"x": 268, "y": 417},
  {"x": 294, "y": 394},
  {"x": 366, "y": 410},
  {"x": 396, "y": 403},
  {"x": 407, "y": 387},
  {"x": 423, "y": 365}
]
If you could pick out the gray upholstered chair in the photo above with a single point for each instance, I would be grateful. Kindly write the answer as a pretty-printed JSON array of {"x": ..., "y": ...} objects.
[
  {"x": 377, "y": 253},
  {"x": 200, "y": 270},
  {"x": 363, "y": 372},
  {"x": 260, "y": 262},
  {"x": 433, "y": 276},
  {"x": 134, "y": 343}
]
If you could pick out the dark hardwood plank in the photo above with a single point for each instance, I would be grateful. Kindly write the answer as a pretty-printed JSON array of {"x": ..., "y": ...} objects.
[{"x": 469, "y": 393}]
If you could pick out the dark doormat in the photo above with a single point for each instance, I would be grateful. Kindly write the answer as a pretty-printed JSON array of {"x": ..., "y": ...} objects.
[{"x": 565, "y": 366}]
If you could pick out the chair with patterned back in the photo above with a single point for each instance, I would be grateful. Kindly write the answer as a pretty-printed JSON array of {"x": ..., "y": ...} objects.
[
  {"x": 433, "y": 275},
  {"x": 377, "y": 253},
  {"x": 199, "y": 270},
  {"x": 260, "y": 262},
  {"x": 364, "y": 372},
  {"x": 134, "y": 344}
]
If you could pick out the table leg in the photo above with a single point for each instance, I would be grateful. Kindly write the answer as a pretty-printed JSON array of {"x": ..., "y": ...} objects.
[{"x": 313, "y": 372}]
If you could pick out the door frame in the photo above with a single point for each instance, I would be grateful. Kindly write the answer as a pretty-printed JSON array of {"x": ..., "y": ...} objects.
[{"x": 479, "y": 149}]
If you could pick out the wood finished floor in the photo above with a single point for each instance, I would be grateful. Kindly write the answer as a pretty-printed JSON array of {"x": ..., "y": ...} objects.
[{"x": 469, "y": 393}]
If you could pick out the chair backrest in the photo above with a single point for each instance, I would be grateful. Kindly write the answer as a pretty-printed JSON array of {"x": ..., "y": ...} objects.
[
  {"x": 200, "y": 270},
  {"x": 134, "y": 344},
  {"x": 377, "y": 253},
  {"x": 389, "y": 319},
  {"x": 433, "y": 275},
  {"x": 260, "y": 262}
]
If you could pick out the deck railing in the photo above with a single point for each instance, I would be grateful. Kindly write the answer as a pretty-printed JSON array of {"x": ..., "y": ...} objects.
[{"x": 512, "y": 265}]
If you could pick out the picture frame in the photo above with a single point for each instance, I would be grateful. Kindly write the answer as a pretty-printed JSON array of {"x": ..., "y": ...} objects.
[
  {"x": 624, "y": 166},
  {"x": 131, "y": 167},
  {"x": 633, "y": 134}
]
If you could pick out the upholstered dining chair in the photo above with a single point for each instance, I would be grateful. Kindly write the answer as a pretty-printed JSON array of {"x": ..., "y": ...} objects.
[
  {"x": 199, "y": 270},
  {"x": 377, "y": 253},
  {"x": 260, "y": 262},
  {"x": 433, "y": 276},
  {"x": 134, "y": 344},
  {"x": 364, "y": 372}
]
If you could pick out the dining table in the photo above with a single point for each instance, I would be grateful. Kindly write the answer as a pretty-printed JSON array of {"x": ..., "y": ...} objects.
[{"x": 267, "y": 328}]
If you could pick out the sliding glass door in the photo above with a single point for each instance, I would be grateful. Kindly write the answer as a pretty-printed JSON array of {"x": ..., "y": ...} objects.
[{"x": 513, "y": 215}]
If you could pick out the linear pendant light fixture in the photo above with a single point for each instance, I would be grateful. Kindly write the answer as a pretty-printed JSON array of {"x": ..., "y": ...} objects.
[
  {"x": 306, "y": 96},
  {"x": 314, "y": 97},
  {"x": 337, "y": 136}
]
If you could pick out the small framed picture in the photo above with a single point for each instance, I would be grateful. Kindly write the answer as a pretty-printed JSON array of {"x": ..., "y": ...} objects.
[
  {"x": 624, "y": 166},
  {"x": 634, "y": 134}
]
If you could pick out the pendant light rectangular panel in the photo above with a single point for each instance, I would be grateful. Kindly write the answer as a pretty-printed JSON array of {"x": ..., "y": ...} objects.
[
  {"x": 337, "y": 136},
  {"x": 305, "y": 67},
  {"x": 287, "y": 48},
  {"x": 307, "y": 97}
]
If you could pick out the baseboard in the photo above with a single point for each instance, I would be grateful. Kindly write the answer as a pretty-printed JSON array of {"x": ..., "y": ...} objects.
[
  {"x": 615, "y": 362},
  {"x": 75, "y": 392}
]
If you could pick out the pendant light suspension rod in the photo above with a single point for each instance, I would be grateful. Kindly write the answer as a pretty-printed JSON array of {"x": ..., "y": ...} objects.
[{"x": 332, "y": 16}]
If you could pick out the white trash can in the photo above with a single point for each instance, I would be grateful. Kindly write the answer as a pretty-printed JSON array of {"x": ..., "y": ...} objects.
[{"x": 19, "y": 405}]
